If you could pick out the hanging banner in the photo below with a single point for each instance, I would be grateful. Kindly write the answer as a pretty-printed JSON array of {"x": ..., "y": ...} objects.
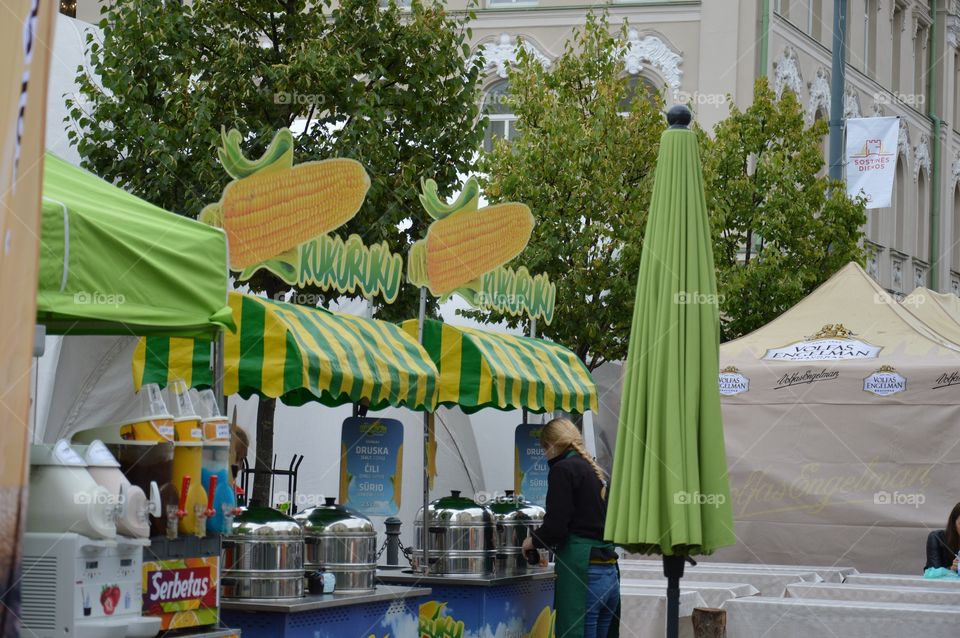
[
  {"x": 26, "y": 43},
  {"x": 278, "y": 216},
  {"x": 530, "y": 466},
  {"x": 466, "y": 248},
  {"x": 371, "y": 465},
  {"x": 871, "y": 157}
]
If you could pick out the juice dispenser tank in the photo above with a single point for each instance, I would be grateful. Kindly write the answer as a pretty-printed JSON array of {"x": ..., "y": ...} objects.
[
  {"x": 216, "y": 462},
  {"x": 187, "y": 459}
]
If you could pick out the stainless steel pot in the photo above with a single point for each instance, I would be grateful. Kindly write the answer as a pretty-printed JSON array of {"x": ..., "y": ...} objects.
[
  {"x": 262, "y": 557},
  {"x": 343, "y": 542},
  {"x": 515, "y": 519},
  {"x": 461, "y": 536}
]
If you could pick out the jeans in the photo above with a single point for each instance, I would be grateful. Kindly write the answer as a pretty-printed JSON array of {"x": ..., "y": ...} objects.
[{"x": 603, "y": 597}]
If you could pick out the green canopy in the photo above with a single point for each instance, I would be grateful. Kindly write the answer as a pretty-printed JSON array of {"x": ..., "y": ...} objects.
[
  {"x": 480, "y": 369},
  {"x": 669, "y": 492},
  {"x": 111, "y": 263},
  {"x": 299, "y": 354}
]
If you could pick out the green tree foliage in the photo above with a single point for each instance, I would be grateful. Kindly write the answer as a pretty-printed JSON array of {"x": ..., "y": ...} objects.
[
  {"x": 583, "y": 162},
  {"x": 392, "y": 89},
  {"x": 780, "y": 226}
]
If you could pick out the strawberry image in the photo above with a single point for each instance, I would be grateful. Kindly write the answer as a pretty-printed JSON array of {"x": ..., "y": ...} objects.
[{"x": 109, "y": 597}]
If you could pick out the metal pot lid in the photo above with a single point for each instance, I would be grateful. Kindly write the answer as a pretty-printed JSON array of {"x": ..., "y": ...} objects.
[
  {"x": 331, "y": 519},
  {"x": 456, "y": 510},
  {"x": 258, "y": 522},
  {"x": 513, "y": 508}
]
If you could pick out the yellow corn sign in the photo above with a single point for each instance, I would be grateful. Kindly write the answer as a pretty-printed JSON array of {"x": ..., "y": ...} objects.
[
  {"x": 278, "y": 216},
  {"x": 466, "y": 248}
]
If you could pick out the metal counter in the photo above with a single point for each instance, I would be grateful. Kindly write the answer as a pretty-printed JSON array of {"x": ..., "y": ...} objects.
[
  {"x": 407, "y": 577},
  {"x": 390, "y": 610},
  {"x": 387, "y": 593}
]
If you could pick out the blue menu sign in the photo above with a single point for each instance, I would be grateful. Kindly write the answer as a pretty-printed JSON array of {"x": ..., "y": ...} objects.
[
  {"x": 530, "y": 464},
  {"x": 371, "y": 465}
]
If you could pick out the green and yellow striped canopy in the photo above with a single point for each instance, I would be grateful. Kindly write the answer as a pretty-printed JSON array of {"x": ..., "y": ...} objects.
[
  {"x": 480, "y": 369},
  {"x": 300, "y": 354}
]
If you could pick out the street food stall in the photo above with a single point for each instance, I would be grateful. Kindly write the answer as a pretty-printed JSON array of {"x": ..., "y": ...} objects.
[
  {"x": 477, "y": 573},
  {"x": 271, "y": 559},
  {"x": 94, "y": 566}
]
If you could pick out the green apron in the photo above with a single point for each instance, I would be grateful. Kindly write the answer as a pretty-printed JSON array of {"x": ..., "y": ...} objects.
[{"x": 570, "y": 589}]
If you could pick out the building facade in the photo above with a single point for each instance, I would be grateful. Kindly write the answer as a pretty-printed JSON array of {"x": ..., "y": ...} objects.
[{"x": 903, "y": 59}]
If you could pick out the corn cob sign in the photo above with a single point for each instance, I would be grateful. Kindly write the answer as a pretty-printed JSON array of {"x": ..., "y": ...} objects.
[
  {"x": 278, "y": 216},
  {"x": 466, "y": 248}
]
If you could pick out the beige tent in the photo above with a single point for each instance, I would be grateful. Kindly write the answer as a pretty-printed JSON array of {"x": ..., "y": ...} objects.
[
  {"x": 939, "y": 311},
  {"x": 842, "y": 421}
]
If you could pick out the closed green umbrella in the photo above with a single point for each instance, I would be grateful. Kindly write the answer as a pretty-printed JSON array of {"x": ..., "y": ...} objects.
[{"x": 669, "y": 493}]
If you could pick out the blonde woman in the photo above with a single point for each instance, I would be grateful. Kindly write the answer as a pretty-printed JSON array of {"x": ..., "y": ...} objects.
[{"x": 587, "y": 594}]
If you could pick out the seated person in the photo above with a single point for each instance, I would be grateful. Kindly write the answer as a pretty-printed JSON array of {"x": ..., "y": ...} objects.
[{"x": 943, "y": 544}]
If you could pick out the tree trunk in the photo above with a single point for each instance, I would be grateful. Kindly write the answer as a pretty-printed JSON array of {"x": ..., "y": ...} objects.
[
  {"x": 264, "y": 452},
  {"x": 709, "y": 623}
]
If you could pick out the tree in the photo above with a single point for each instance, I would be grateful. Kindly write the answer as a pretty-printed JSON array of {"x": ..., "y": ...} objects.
[
  {"x": 583, "y": 162},
  {"x": 393, "y": 89},
  {"x": 780, "y": 226}
]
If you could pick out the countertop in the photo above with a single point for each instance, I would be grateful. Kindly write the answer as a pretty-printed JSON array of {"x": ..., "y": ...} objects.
[
  {"x": 323, "y": 601},
  {"x": 406, "y": 577}
]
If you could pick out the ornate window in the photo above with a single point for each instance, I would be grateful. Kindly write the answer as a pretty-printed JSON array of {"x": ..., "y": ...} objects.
[
  {"x": 635, "y": 85},
  {"x": 923, "y": 208},
  {"x": 498, "y": 106},
  {"x": 900, "y": 204}
]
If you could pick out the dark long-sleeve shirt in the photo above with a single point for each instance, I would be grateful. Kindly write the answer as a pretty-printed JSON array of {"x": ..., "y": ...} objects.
[
  {"x": 938, "y": 554},
  {"x": 574, "y": 504}
]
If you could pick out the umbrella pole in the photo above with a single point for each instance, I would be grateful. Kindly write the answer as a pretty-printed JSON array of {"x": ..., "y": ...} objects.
[
  {"x": 673, "y": 570},
  {"x": 424, "y": 536}
]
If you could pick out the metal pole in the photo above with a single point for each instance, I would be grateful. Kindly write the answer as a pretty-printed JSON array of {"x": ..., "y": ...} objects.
[
  {"x": 424, "y": 533},
  {"x": 837, "y": 82},
  {"x": 533, "y": 335},
  {"x": 218, "y": 364}
]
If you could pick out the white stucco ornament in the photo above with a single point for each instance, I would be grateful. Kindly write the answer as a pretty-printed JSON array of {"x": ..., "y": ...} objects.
[
  {"x": 921, "y": 157},
  {"x": 955, "y": 170},
  {"x": 650, "y": 49},
  {"x": 787, "y": 73},
  {"x": 851, "y": 104},
  {"x": 903, "y": 141},
  {"x": 819, "y": 95},
  {"x": 504, "y": 52}
]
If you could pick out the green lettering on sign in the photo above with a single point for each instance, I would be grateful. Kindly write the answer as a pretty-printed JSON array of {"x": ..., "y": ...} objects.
[
  {"x": 329, "y": 262},
  {"x": 514, "y": 292}
]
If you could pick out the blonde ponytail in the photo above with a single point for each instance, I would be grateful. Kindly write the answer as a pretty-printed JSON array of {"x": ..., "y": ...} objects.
[{"x": 563, "y": 434}]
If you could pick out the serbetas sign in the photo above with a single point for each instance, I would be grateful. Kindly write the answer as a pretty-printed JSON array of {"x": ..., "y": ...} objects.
[{"x": 832, "y": 343}]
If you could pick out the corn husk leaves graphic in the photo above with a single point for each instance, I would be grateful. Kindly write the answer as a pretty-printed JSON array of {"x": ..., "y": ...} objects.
[
  {"x": 272, "y": 207},
  {"x": 464, "y": 243}
]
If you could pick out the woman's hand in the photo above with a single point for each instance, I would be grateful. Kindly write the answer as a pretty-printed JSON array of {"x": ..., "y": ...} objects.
[
  {"x": 528, "y": 545},
  {"x": 953, "y": 567}
]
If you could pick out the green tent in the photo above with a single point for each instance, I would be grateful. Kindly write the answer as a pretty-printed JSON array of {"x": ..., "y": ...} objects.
[{"x": 111, "y": 263}]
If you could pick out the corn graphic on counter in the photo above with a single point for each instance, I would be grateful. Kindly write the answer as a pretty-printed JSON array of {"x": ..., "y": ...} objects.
[
  {"x": 463, "y": 242},
  {"x": 272, "y": 206}
]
